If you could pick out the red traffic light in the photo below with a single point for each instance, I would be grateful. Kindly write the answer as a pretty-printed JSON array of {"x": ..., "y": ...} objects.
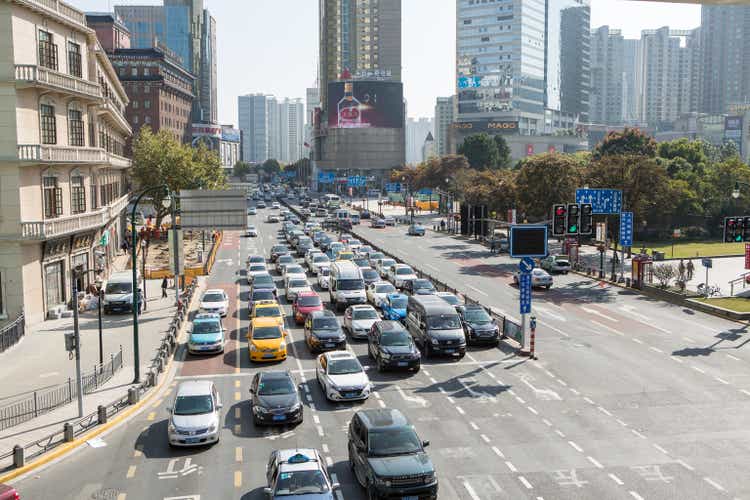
[
  {"x": 730, "y": 222},
  {"x": 560, "y": 211}
]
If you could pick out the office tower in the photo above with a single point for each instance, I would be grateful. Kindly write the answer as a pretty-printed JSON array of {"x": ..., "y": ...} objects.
[
  {"x": 631, "y": 80},
  {"x": 607, "y": 77},
  {"x": 291, "y": 133},
  {"x": 428, "y": 147},
  {"x": 725, "y": 46},
  {"x": 416, "y": 131},
  {"x": 253, "y": 122},
  {"x": 312, "y": 101},
  {"x": 271, "y": 128},
  {"x": 444, "y": 114}
]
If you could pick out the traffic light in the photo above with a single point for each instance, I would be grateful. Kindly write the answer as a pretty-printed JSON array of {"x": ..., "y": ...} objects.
[
  {"x": 573, "y": 218},
  {"x": 559, "y": 213},
  {"x": 587, "y": 219},
  {"x": 746, "y": 229},
  {"x": 731, "y": 229}
]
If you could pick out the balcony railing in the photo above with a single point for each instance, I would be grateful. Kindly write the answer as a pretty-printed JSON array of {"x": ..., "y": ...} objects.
[
  {"x": 50, "y": 78},
  {"x": 118, "y": 161},
  {"x": 61, "y": 9},
  {"x": 60, "y": 154},
  {"x": 115, "y": 110},
  {"x": 53, "y": 228}
]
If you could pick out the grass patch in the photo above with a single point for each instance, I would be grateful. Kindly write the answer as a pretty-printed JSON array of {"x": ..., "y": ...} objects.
[
  {"x": 693, "y": 249},
  {"x": 736, "y": 304}
]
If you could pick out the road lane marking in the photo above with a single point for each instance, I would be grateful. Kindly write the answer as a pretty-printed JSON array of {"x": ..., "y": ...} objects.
[
  {"x": 122, "y": 496},
  {"x": 474, "y": 426},
  {"x": 325, "y": 448},
  {"x": 460, "y": 410},
  {"x": 608, "y": 328},
  {"x": 560, "y": 433},
  {"x": 238, "y": 454},
  {"x": 635, "y": 495},
  {"x": 595, "y": 462},
  {"x": 520, "y": 400},
  {"x": 676, "y": 359},
  {"x": 588, "y": 400},
  {"x": 157, "y": 403},
  {"x": 600, "y": 314},
  {"x": 575, "y": 446},
  {"x": 637, "y": 341},
  {"x": 721, "y": 380},
  {"x": 745, "y": 392},
  {"x": 477, "y": 290},
  {"x": 237, "y": 396},
  {"x": 237, "y": 413},
  {"x": 562, "y": 382},
  {"x": 604, "y": 410},
  {"x": 532, "y": 410},
  {"x": 622, "y": 423},
  {"x": 656, "y": 349},
  {"x": 138, "y": 452},
  {"x": 151, "y": 416},
  {"x": 699, "y": 370},
  {"x": 733, "y": 357},
  {"x": 714, "y": 484},
  {"x": 637, "y": 433},
  {"x": 660, "y": 449},
  {"x": 320, "y": 431},
  {"x": 316, "y": 419},
  {"x": 131, "y": 472},
  {"x": 238, "y": 479},
  {"x": 615, "y": 479},
  {"x": 547, "y": 422},
  {"x": 329, "y": 461},
  {"x": 525, "y": 482},
  {"x": 685, "y": 465},
  {"x": 498, "y": 452},
  {"x": 485, "y": 438},
  {"x": 470, "y": 491}
]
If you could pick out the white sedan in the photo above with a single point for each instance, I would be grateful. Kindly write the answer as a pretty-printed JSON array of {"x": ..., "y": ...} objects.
[
  {"x": 214, "y": 301},
  {"x": 377, "y": 291},
  {"x": 319, "y": 261},
  {"x": 358, "y": 320},
  {"x": 324, "y": 277},
  {"x": 295, "y": 286},
  {"x": 294, "y": 271},
  {"x": 255, "y": 269},
  {"x": 252, "y": 231},
  {"x": 383, "y": 265},
  {"x": 539, "y": 278},
  {"x": 341, "y": 377},
  {"x": 399, "y": 273}
]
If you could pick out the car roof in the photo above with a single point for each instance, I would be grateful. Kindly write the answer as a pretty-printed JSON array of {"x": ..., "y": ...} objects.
[
  {"x": 390, "y": 325},
  {"x": 340, "y": 355},
  {"x": 445, "y": 294},
  {"x": 194, "y": 388},
  {"x": 307, "y": 293},
  {"x": 265, "y": 303},
  {"x": 383, "y": 418},
  {"x": 473, "y": 307},
  {"x": 401, "y": 266},
  {"x": 206, "y": 317},
  {"x": 312, "y": 462},
  {"x": 275, "y": 374},
  {"x": 265, "y": 321},
  {"x": 361, "y": 306},
  {"x": 395, "y": 295},
  {"x": 214, "y": 290},
  {"x": 325, "y": 313},
  {"x": 383, "y": 282}
]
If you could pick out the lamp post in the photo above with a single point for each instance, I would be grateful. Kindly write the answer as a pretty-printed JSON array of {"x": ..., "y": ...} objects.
[
  {"x": 166, "y": 202},
  {"x": 736, "y": 191},
  {"x": 100, "y": 297}
]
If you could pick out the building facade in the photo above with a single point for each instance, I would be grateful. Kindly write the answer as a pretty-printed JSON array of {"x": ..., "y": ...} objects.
[
  {"x": 63, "y": 184},
  {"x": 230, "y": 150},
  {"x": 312, "y": 101},
  {"x": 428, "y": 147},
  {"x": 606, "y": 104},
  {"x": 632, "y": 69},
  {"x": 416, "y": 132},
  {"x": 253, "y": 122},
  {"x": 291, "y": 130},
  {"x": 444, "y": 116}
]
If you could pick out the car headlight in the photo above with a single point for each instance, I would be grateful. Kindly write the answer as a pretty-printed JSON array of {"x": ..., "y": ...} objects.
[
  {"x": 385, "y": 355},
  {"x": 382, "y": 482},
  {"x": 429, "y": 478},
  {"x": 252, "y": 347},
  {"x": 296, "y": 407},
  {"x": 259, "y": 409},
  {"x": 282, "y": 346},
  {"x": 434, "y": 341},
  {"x": 212, "y": 428}
]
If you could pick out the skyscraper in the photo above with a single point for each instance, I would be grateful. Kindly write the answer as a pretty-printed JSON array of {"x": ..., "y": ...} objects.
[
  {"x": 632, "y": 76},
  {"x": 607, "y": 76},
  {"x": 253, "y": 122},
  {"x": 271, "y": 128},
  {"x": 444, "y": 114},
  {"x": 416, "y": 132},
  {"x": 725, "y": 46},
  {"x": 291, "y": 132}
]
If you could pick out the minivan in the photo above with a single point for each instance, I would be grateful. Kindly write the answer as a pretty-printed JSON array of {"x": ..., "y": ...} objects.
[
  {"x": 435, "y": 326},
  {"x": 118, "y": 292},
  {"x": 346, "y": 285}
]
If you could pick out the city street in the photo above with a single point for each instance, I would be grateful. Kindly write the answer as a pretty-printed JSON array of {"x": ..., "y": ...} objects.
[{"x": 630, "y": 399}]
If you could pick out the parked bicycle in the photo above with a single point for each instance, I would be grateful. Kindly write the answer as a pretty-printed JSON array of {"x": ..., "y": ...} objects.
[{"x": 711, "y": 291}]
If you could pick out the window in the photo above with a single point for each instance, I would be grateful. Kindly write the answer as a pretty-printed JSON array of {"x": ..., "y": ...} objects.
[
  {"x": 94, "y": 197},
  {"x": 77, "y": 194},
  {"x": 52, "y": 197},
  {"x": 48, "y": 124},
  {"x": 75, "y": 128},
  {"x": 74, "y": 59},
  {"x": 147, "y": 104},
  {"x": 47, "y": 50},
  {"x": 134, "y": 71}
]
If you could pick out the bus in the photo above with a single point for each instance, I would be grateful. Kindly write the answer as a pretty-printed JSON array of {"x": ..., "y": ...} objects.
[{"x": 332, "y": 201}]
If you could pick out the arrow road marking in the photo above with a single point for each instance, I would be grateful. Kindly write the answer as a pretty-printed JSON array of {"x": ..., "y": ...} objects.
[
  {"x": 412, "y": 399},
  {"x": 544, "y": 394}
]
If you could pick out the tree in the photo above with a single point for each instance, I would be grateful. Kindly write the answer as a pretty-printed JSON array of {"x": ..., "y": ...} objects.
[
  {"x": 480, "y": 150},
  {"x": 630, "y": 141},
  {"x": 503, "y": 152},
  {"x": 664, "y": 273},
  {"x": 241, "y": 169},
  {"x": 545, "y": 179},
  {"x": 161, "y": 159},
  {"x": 271, "y": 167}
]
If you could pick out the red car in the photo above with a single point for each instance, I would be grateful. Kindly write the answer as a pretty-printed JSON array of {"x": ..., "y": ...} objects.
[
  {"x": 8, "y": 493},
  {"x": 304, "y": 304}
]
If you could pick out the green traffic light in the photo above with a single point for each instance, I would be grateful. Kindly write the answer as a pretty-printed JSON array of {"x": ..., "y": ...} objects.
[
  {"x": 738, "y": 238},
  {"x": 573, "y": 229}
]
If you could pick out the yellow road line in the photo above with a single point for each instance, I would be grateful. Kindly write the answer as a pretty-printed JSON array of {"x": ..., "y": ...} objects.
[
  {"x": 131, "y": 472},
  {"x": 237, "y": 383},
  {"x": 237, "y": 396},
  {"x": 237, "y": 478},
  {"x": 151, "y": 416},
  {"x": 158, "y": 403},
  {"x": 138, "y": 452},
  {"x": 237, "y": 413},
  {"x": 238, "y": 454},
  {"x": 122, "y": 496}
]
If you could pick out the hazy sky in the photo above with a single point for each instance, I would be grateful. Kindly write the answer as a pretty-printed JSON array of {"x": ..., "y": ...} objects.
[{"x": 271, "y": 46}]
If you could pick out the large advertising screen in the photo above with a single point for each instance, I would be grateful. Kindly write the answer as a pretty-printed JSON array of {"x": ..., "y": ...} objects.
[{"x": 365, "y": 104}]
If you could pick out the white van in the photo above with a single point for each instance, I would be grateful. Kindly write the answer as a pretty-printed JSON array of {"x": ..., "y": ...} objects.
[
  {"x": 346, "y": 285},
  {"x": 118, "y": 292}
]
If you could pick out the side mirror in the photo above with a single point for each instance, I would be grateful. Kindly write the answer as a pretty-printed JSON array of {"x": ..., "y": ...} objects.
[
  {"x": 219, "y": 406},
  {"x": 251, "y": 390},
  {"x": 267, "y": 491},
  {"x": 425, "y": 444},
  {"x": 335, "y": 487}
]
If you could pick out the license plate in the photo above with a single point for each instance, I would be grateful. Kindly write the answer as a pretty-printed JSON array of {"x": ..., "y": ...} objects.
[
  {"x": 350, "y": 394},
  {"x": 192, "y": 440},
  {"x": 268, "y": 356},
  {"x": 278, "y": 418},
  {"x": 403, "y": 363},
  {"x": 411, "y": 498},
  {"x": 450, "y": 351},
  {"x": 330, "y": 344}
]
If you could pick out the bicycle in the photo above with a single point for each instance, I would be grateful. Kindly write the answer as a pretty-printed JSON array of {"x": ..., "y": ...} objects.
[{"x": 711, "y": 291}]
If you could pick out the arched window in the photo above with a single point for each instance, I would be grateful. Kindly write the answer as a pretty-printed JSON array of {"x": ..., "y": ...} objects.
[
  {"x": 75, "y": 125},
  {"x": 51, "y": 195},
  {"x": 77, "y": 192},
  {"x": 48, "y": 123}
]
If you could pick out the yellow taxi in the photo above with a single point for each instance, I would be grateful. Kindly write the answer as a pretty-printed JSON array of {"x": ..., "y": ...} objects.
[
  {"x": 266, "y": 340},
  {"x": 345, "y": 255},
  {"x": 268, "y": 309}
]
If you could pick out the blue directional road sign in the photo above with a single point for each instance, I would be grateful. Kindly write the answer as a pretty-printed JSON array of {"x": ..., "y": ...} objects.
[
  {"x": 326, "y": 177},
  {"x": 603, "y": 201},
  {"x": 626, "y": 229},
  {"x": 526, "y": 265},
  {"x": 356, "y": 180},
  {"x": 425, "y": 191},
  {"x": 524, "y": 285},
  {"x": 393, "y": 187}
]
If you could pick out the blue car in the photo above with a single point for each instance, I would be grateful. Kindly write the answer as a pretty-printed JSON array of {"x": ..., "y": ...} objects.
[
  {"x": 206, "y": 334},
  {"x": 394, "y": 306}
]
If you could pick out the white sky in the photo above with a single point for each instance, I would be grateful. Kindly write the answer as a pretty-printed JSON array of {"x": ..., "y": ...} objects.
[{"x": 271, "y": 46}]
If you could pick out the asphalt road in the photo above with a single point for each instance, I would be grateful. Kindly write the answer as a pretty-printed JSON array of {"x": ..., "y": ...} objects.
[{"x": 630, "y": 399}]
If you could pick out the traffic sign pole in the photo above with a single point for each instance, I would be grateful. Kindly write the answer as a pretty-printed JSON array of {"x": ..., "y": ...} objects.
[{"x": 532, "y": 326}]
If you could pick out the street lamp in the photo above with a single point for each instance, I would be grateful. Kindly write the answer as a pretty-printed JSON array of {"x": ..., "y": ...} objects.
[{"x": 136, "y": 295}]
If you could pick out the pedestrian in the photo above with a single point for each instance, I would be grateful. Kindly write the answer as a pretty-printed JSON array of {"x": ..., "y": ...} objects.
[
  {"x": 124, "y": 246},
  {"x": 493, "y": 244},
  {"x": 681, "y": 269},
  {"x": 442, "y": 224},
  {"x": 690, "y": 268},
  {"x": 164, "y": 285}
]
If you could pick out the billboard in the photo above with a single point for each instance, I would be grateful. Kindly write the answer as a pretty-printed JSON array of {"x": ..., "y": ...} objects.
[
  {"x": 206, "y": 130},
  {"x": 230, "y": 134},
  {"x": 489, "y": 126},
  {"x": 365, "y": 104}
]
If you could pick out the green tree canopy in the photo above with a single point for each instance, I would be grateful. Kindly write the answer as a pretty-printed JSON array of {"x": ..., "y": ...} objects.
[
  {"x": 480, "y": 150},
  {"x": 503, "y": 152},
  {"x": 241, "y": 169},
  {"x": 545, "y": 179},
  {"x": 630, "y": 141}
]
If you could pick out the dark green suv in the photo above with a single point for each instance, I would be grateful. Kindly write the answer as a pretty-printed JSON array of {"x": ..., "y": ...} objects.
[{"x": 388, "y": 458}]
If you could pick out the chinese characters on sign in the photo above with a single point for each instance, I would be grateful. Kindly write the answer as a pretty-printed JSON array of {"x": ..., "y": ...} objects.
[
  {"x": 603, "y": 201},
  {"x": 524, "y": 285},
  {"x": 626, "y": 229}
]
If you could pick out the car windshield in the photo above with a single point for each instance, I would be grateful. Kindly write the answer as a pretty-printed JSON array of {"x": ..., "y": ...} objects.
[
  {"x": 285, "y": 259},
  {"x": 395, "y": 339},
  {"x": 263, "y": 279},
  {"x": 345, "y": 256},
  {"x": 200, "y": 327},
  {"x": 321, "y": 258},
  {"x": 119, "y": 288},
  {"x": 404, "y": 270},
  {"x": 269, "y": 386},
  {"x": 398, "y": 302},
  {"x": 344, "y": 366},
  {"x": 262, "y": 295},
  {"x": 394, "y": 442},
  {"x": 298, "y": 283},
  {"x": 266, "y": 332},
  {"x": 364, "y": 314},
  {"x": 309, "y": 301},
  {"x": 443, "y": 322},
  {"x": 350, "y": 284},
  {"x": 451, "y": 299},
  {"x": 325, "y": 324},
  {"x": 370, "y": 274},
  {"x": 385, "y": 288},
  {"x": 423, "y": 284},
  {"x": 477, "y": 316},
  {"x": 257, "y": 267},
  {"x": 562, "y": 262},
  {"x": 193, "y": 405},
  {"x": 376, "y": 255},
  {"x": 301, "y": 482},
  {"x": 213, "y": 297},
  {"x": 267, "y": 312},
  {"x": 279, "y": 249},
  {"x": 256, "y": 258},
  {"x": 295, "y": 269}
]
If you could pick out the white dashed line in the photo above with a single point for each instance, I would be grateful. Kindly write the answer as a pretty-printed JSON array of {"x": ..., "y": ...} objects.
[
  {"x": 637, "y": 433},
  {"x": 498, "y": 452},
  {"x": 588, "y": 400},
  {"x": 624, "y": 424},
  {"x": 714, "y": 483},
  {"x": 733, "y": 357},
  {"x": 316, "y": 419},
  {"x": 329, "y": 461},
  {"x": 719, "y": 379},
  {"x": 637, "y": 341},
  {"x": 699, "y": 370},
  {"x": 559, "y": 433},
  {"x": 635, "y": 495},
  {"x": 470, "y": 491},
  {"x": 656, "y": 349},
  {"x": 615, "y": 479},
  {"x": 532, "y": 410},
  {"x": 745, "y": 392},
  {"x": 562, "y": 382},
  {"x": 547, "y": 422},
  {"x": 432, "y": 380},
  {"x": 685, "y": 465},
  {"x": 604, "y": 410},
  {"x": 325, "y": 448},
  {"x": 320, "y": 431},
  {"x": 381, "y": 403},
  {"x": 574, "y": 391},
  {"x": 525, "y": 482},
  {"x": 676, "y": 359},
  {"x": 661, "y": 449},
  {"x": 520, "y": 400},
  {"x": 460, "y": 410},
  {"x": 575, "y": 446},
  {"x": 474, "y": 426},
  {"x": 477, "y": 290},
  {"x": 595, "y": 462},
  {"x": 485, "y": 438},
  {"x": 511, "y": 466}
]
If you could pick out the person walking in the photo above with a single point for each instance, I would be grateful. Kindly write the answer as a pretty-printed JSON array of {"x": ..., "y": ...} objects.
[
  {"x": 442, "y": 224},
  {"x": 690, "y": 269},
  {"x": 493, "y": 244},
  {"x": 681, "y": 269},
  {"x": 164, "y": 286}
]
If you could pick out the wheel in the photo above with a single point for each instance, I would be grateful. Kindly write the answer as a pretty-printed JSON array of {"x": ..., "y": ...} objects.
[
  {"x": 372, "y": 493},
  {"x": 417, "y": 368}
]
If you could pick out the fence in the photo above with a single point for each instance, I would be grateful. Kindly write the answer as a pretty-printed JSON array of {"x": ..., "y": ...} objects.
[
  {"x": 511, "y": 329},
  {"x": 12, "y": 333},
  {"x": 27, "y": 406},
  {"x": 20, "y": 454}
]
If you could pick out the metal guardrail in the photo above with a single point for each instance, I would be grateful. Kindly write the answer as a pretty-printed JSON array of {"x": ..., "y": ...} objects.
[
  {"x": 27, "y": 406},
  {"x": 12, "y": 332},
  {"x": 511, "y": 330},
  {"x": 21, "y": 453}
]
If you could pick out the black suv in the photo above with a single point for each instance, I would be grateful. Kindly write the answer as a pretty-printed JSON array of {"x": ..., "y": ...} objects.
[
  {"x": 391, "y": 346},
  {"x": 275, "y": 398},
  {"x": 323, "y": 332},
  {"x": 388, "y": 458},
  {"x": 479, "y": 326},
  {"x": 420, "y": 286}
]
